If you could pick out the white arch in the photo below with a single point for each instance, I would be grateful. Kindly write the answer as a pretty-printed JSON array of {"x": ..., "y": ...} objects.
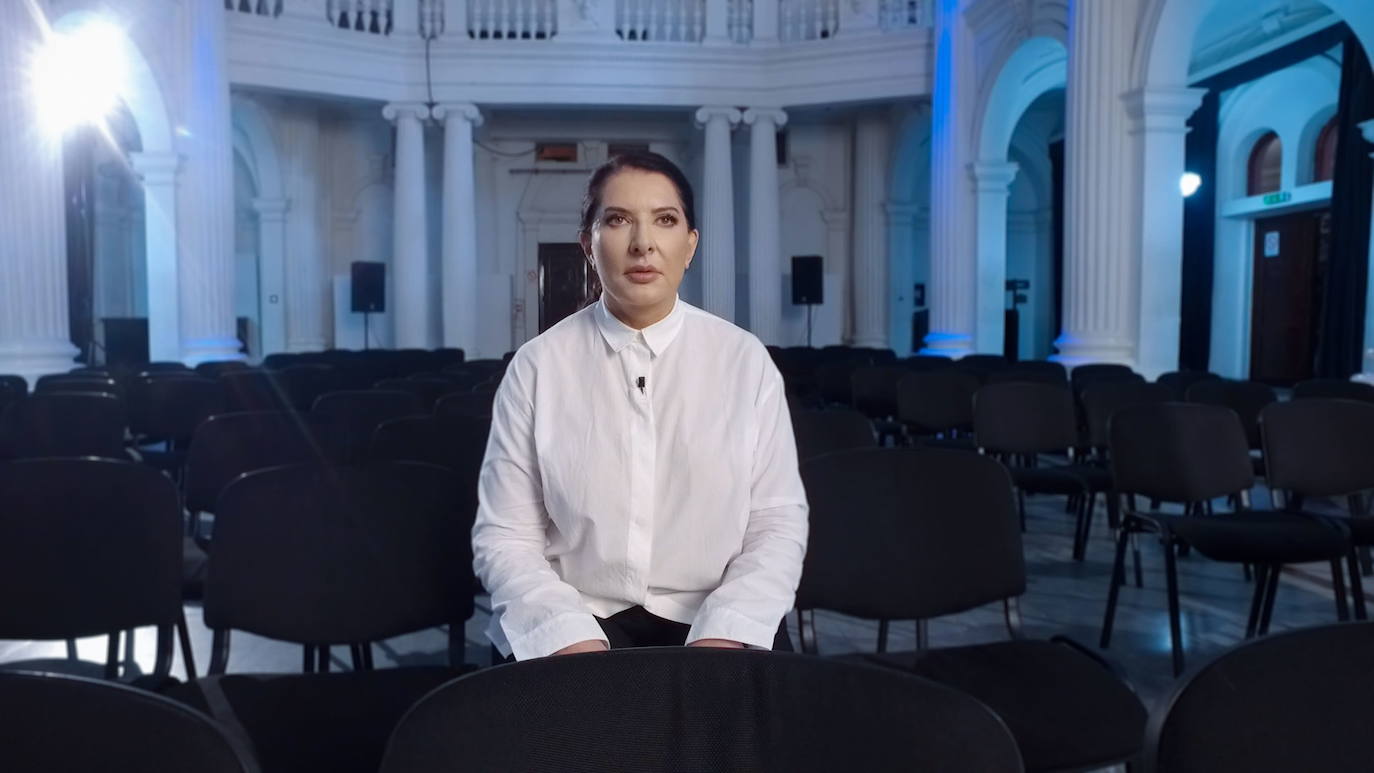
[
  {"x": 156, "y": 165},
  {"x": 1036, "y": 66},
  {"x": 908, "y": 243},
  {"x": 256, "y": 144}
]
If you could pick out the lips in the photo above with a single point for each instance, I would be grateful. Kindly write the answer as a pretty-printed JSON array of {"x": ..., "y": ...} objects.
[{"x": 642, "y": 274}]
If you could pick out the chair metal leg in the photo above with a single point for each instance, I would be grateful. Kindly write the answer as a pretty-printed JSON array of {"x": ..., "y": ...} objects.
[
  {"x": 307, "y": 659},
  {"x": 1356, "y": 585},
  {"x": 219, "y": 652},
  {"x": 1113, "y": 509},
  {"x": 71, "y": 650},
  {"x": 1114, "y": 587},
  {"x": 129, "y": 656},
  {"x": 1175, "y": 623},
  {"x": 355, "y": 654},
  {"x": 882, "y": 635},
  {"x": 367, "y": 656},
  {"x": 323, "y": 651},
  {"x": 1338, "y": 590},
  {"x": 1256, "y": 601},
  {"x": 1270, "y": 593},
  {"x": 1135, "y": 556},
  {"x": 112, "y": 656},
  {"x": 801, "y": 633},
  {"x": 187, "y": 656},
  {"x": 922, "y": 636},
  {"x": 166, "y": 647}
]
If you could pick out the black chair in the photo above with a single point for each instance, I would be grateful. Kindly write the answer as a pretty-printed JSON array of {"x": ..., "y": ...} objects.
[
  {"x": 66, "y": 424},
  {"x": 937, "y": 403},
  {"x": 834, "y": 379},
  {"x": 982, "y": 366},
  {"x": 360, "y": 412},
  {"x": 1191, "y": 454},
  {"x": 305, "y": 382},
  {"x": 76, "y": 382},
  {"x": 66, "y": 724},
  {"x": 1018, "y": 423},
  {"x": 1179, "y": 381},
  {"x": 923, "y": 533},
  {"x": 1325, "y": 448},
  {"x": 1247, "y": 398},
  {"x": 1333, "y": 388},
  {"x": 1102, "y": 401},
  {"x": 168, "y": 411},
  {"x": 456, "y": 442},
  {"x": 255, "y": 390},
  {"x": 164, "y": 367},
  {"x": 657, "y": 709},
  {"x": 470, "y": 404},
  {"x": 1297, "y": 700},
  {"x": 12, "y": 390},
  {"x": 216, "y": 368},
  {"x": 1034, "y": 371},
  {"x": 91, "y": 547},
  {"x": 228, "y": 445},
  {"x": 822, "y": 432},
  {"x": 874, "y": 390},
  {"x": 1083, "y": 375},
  {"x": 428, "y": 390}
]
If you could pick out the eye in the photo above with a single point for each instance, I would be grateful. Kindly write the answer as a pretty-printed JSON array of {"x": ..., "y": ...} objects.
[
  {"x": 615, "y": 219},
  {"x": 668, "y": 220}
]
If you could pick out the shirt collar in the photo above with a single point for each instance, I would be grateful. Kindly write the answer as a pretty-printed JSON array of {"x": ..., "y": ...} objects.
[{"x": 659, "y": 336}]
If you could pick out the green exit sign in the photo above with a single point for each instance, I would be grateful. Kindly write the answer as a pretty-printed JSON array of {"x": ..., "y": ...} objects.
[{"x": 1270, "y": 199}]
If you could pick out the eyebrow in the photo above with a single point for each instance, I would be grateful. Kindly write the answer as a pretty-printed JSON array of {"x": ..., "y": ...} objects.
[{"x": 626, "y": 211}]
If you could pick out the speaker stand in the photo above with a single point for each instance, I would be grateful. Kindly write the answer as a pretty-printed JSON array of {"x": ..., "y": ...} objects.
[
  {"x": 366, "y": 337},
  {"x": 809, "y": 307}
]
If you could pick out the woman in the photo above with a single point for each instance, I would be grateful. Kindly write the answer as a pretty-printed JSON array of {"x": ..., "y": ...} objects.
[{"x": 640, "y": 485}]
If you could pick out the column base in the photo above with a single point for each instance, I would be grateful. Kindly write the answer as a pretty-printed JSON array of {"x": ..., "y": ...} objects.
[
  {"x": 194, "y": 351},
  {"x": 871, "y": 342},
  {"x": 305, "y": 345},
  {"x": 37, "y": 357},
  {"x": 1086, "y": 351},
  {"x": 952, "y": 345}
]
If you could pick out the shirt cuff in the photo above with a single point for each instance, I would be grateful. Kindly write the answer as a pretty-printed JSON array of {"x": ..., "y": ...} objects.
[
  {"x": 555, "y": 634},
  {"x": 721, "y": 623}
]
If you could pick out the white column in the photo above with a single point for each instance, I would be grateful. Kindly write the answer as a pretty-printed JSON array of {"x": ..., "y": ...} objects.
[
  {"x": 870, "y": 231},
  {"x": 717, "y": 23},
  {"x": 716, "y": 251},
  {"x": 206, "y": 225},
  {"x": 953, "y": 270},
  {"x": 405, "y": 18},
  {"x": 409, "y": 250},
  {"x": 34, "y": 328},
  {"x": 460, "y": 226},
  {"x": 308, "y": 290},
  {"x": 1368, "y": 374},
  {"x": 901, "y": 228},
  {"x": 1160, "y": 118},
  {"x": 765, "y": 23},
  {"x": 991, "y": 185},
  {"x": 158, "y": 172},
  {"x": 1101, "y": 301},
  {"x": 838, "y": 262},
  {"x": 272, "y": 272},
  {"x": 765, "y": 228}
]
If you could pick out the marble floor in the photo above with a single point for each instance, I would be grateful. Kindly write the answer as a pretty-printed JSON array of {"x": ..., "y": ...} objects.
[{"x": 1064, "y": 597}]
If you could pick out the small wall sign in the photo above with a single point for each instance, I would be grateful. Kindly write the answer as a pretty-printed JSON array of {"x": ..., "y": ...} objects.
[
  {"x": 1282, "y": 197},
  {"x": 1271, "y": 244}
]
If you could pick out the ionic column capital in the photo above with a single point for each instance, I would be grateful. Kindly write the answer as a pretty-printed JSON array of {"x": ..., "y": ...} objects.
[
  {"x": 465, "y": 111},
  {"x": 993, "y": 176},
  {"x": 156, "y": 168},
  {"x": 272, "y": 210},
  {"x": 1162, "y": 109},
  {"x": 709, "y": 113},
  {"x": 774, "y": 115},
  {"x": 396, "y": 111}
]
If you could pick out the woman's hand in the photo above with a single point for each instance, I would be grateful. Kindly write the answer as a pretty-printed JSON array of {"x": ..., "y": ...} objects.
[
  {"x": 725, "y": 644},
  {"x": 590, "y": 645}
]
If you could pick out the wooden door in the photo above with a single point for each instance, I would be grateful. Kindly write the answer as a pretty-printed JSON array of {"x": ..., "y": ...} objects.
[
  {"x": 1289, "y": 269},
  {"x": 566, "y": 282}
]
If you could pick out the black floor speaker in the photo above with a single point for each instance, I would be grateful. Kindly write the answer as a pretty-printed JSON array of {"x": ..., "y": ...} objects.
[
  {"x": 807, "y": 285},
  {"x": 369, "y": 287}
]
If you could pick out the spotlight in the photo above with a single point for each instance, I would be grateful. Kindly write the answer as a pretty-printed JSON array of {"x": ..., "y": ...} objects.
[
  {"x": 1189, "y": 183},
  {"x": 79, "y": 75}
]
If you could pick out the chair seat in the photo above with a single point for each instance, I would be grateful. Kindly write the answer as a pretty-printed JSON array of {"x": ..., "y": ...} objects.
[
  {"x": 1260, "y": 537},
  {"x": 336, "y": 722},
  {"x": 961, "y": 443},
  {"x": 1065, "y": 710},
  {"x": 1361, "y": 530},
  {"x": 1049, "y": 480}
]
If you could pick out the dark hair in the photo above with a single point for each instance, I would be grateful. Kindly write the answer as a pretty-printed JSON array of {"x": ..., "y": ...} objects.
[{"x": 645, "y": 162}]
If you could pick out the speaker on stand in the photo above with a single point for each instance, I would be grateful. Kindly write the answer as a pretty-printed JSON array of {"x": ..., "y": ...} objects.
[
  {"x": 368, "y": 292},
  {"x": 808, "y": 286}
]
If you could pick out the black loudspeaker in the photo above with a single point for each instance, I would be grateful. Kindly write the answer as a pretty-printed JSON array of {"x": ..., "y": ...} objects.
[
  {"x": 369, "y": 287},
  {"x": 807, "y": 284}
]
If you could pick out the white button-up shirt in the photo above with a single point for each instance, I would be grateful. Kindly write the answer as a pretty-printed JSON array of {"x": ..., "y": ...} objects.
[{"x": 653, "y": 468}]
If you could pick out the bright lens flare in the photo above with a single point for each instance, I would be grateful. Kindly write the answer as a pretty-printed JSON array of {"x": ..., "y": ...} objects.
[
  {"x": 79, "y": 76},
  {"x": 1189, "y": 183}
]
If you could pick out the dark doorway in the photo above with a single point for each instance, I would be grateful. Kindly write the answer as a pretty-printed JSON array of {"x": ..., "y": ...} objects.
[
  {"x": 79, "y": 169},
  {"x": 1290, "y": 266},
  {"x": 566, "y": 282}
]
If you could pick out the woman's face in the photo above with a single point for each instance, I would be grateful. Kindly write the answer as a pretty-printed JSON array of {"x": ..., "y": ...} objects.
[{"x": 640, "y": 245}]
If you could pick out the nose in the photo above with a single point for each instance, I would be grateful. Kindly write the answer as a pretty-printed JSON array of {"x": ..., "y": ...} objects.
[{"x": 640, "y": 243}]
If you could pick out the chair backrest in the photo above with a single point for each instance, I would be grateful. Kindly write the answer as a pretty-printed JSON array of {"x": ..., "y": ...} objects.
[
  {"x": 1246, "y": 398},
  {"x": 228, "y": 445},
  {"x": 1180, "y": 452},
  {"x": 13, "y": 385},
  {"x": 1083, "y": 375},
  {"x": 1178, "y": 381},
  {"x": 87, "y": 546},
  {"x": 77, "y": 382},
  {"x": 834, "y": 379},
  {"x": 824, "y": 432},
  {"x": 215, "y": 368},
  {"x": 256, "y": 390},
  {"x": 65, "y": 424},
  {"x": 164, "y": 367},
  {"x": 1296, "y": 700},
  {"x": 305, "y": 382},
  {"x": 987, "y": 361},
  {"x": 1333, "y": 388},
  {"x": 428, "y": 390},
  {"x": 1021, "y": 418},
  {"x": 924, "y": 362},
  {"x": 1035, "y": 371},
  {"x": 66, "y": 724},
  {"x": 909, "y": 533},
  {"x": 937, "y": 400},
  {"x": 172, "y": 408},
  {"x": 318, "y": 554},
  {"x": 471, "y": 404},
  {"x": 1102, "y": 401},
  {"x": 359, "y": 412},
  {"x": 656, "y": 709},
  {"x": 1319, "y": 447},
  {"x": 874, "y": 390}
]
